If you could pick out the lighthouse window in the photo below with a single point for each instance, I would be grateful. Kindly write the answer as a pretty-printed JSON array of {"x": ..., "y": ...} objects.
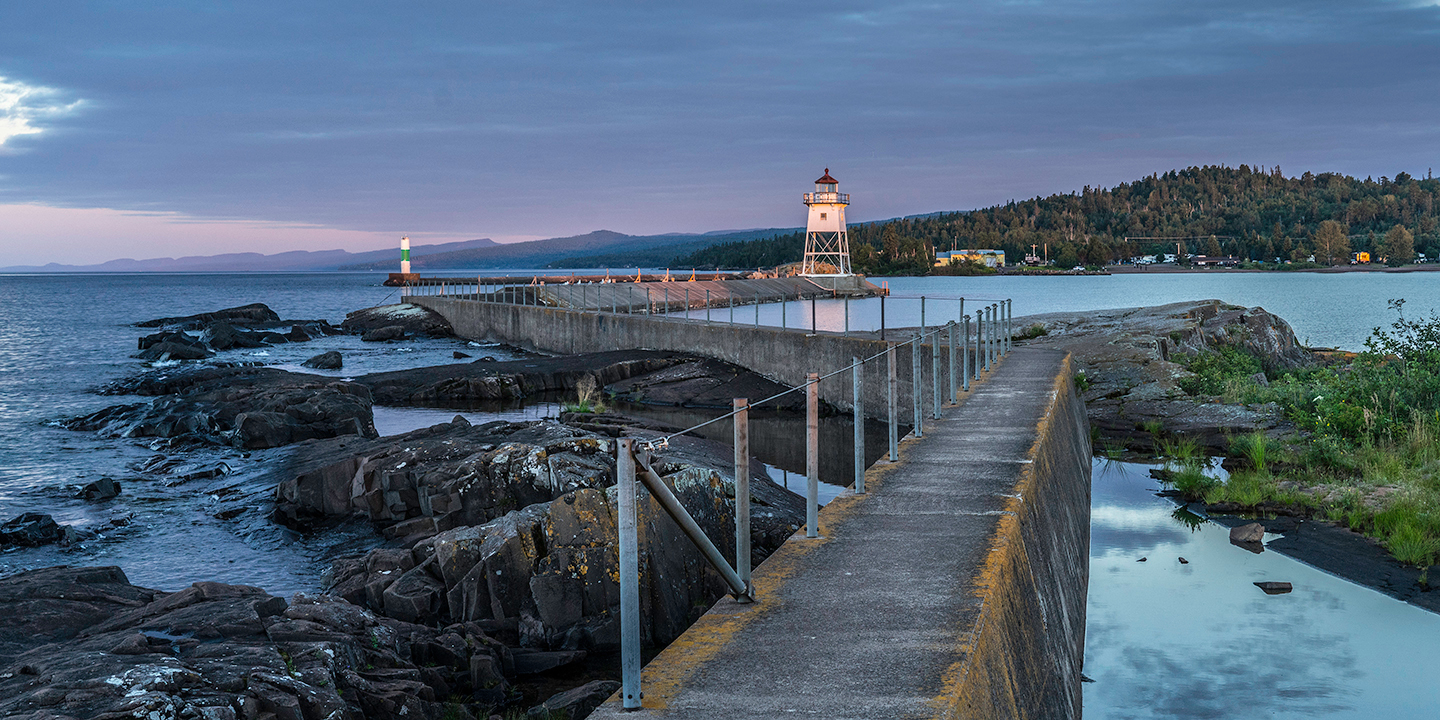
[{"x": 822, "y": 216}]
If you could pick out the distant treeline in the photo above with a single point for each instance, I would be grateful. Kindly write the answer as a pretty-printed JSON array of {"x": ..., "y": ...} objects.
[
  {"x": 1257, "y": 215},
  {"x": 764, "y": 252}
]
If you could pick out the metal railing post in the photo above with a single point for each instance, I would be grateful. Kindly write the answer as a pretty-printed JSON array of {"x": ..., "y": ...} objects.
[
  {"x": 859, "y": 398},
  {"x": 882, "y": 319},
  {"x": 935, "y": 374},
  {"x": 629, "y": 547},
  {"x": 812, "y": 455},
  {"x": 922, "y": 318},
  {"x": 732, "y": 309},
  {"x": 847, "y": 316},
  {"x": 917, "y": 395},
  {"x": 954, "y": 393},
  {"x": 757, "y": 310},
  {"x": 813, "y": 327},
  {"x": 784, "y": 306},
  {"x": 1009, "y": 325},
  {"x": 707, "y": 305},
  {"x": 989, "y": 336},
  {"x": 892, "y": 387},
  {"x": 742, "y": 489},
  {"x": 965, "y": 355},
  {"x": 667, "y": 302},
  {"x": 687, "y": 303}
]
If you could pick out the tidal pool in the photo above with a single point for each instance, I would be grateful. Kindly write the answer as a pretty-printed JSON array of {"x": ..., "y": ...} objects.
[{"x": 1199, "y": 640}]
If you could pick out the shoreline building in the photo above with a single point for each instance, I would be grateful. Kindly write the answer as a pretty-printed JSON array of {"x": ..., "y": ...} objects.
[
  {"x": 988, "y": 258},
  {"x": 827, "y": 246}
]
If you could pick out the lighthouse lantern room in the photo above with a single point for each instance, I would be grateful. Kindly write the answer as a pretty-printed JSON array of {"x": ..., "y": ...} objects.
[{"x": 827, "y": 248}]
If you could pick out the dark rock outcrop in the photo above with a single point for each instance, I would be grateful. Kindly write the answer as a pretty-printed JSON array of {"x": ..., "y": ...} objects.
[
  {"x": 514, "y": 523},
  {"x": 174, "y": 351},
  {"x": 412, "y": 319},
  {"x": 34, "y": 530},
  {"x": 84, "y": 642},
  {"x": 326, "y": 361},
  {"x": 247, "y": 407},
  {"x": 252, "y": 314},
  {"x": 576, "y": 703},
  {"x": 389, "y": 333},
  {"x": 1129, "y": 357},
  {"x": 462, "y": 385},
  {"x": 102, "y": 489}
]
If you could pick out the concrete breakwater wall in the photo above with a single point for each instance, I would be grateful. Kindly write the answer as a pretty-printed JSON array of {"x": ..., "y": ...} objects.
[
  {"x": 782, "y": 355},
  {"x": 955, "y": 588},
  {"x": 1024, "y": 652}
]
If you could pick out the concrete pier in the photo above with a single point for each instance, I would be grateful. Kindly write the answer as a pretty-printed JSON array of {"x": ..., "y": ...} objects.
[{"x": 954, "y": 589}]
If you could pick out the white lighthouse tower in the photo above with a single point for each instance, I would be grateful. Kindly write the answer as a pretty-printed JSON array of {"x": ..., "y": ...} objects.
[
  {"x": 405, "y": 255},
  {"x": 827, "y": 248}
]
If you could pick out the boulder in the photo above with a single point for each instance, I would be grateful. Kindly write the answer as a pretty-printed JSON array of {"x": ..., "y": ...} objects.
[
  {"x": 224, "y": 336},
  {"x": 32, "y": 530},
  {"x": 1274, "y": 588},
  {"x": 325, "y": 361},
  {"x": 254, "y": 313},
  {"x": 1251, "y": 533},
  {"x": 413, "y": 319},
  {"x": 102, "y": 489},
  {"x": 384, "y": 334},
  {"x": 167, "y": 350},
  {"x": 576, "y": 703},
  {"x": 460, "y": 355}
]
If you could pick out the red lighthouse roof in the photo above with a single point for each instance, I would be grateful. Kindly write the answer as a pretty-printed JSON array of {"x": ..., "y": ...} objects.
[{"x": 827, "y": 180}]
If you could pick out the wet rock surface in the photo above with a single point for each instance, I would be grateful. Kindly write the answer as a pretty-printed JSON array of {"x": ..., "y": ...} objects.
[
  {"x": 249, "y": 326},
  {"x": 1129, "y": 359},
  {"x": 409, "y": 319},
  {"x": 33, "y": 530},
  {"x": 245, "y": 407},
  {"x": 325, "y": 361},
  {"x": 84, "y": 642}
]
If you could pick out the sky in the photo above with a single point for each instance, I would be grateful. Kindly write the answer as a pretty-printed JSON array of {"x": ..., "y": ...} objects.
[{"x": 153, "y": 129}]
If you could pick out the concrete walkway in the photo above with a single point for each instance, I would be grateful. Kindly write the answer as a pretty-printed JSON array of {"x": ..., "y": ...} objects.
[{"x": 876, "y": 618}]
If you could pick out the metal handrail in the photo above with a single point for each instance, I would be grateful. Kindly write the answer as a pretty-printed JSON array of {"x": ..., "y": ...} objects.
[{"x": 632, "y": 464}]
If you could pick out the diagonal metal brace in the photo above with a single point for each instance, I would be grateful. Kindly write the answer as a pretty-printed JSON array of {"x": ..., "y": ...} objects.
[{"x": 657, "y": 487}]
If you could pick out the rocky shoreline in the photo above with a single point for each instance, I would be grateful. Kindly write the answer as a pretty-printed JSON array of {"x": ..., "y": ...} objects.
[
  {"x": 490, "y": 582},
  {"x": 1134, "y": 402}
]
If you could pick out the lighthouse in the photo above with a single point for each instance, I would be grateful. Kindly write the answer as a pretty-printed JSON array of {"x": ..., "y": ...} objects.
[
  {"x": 827, "y": 248},
  {"x": 405, "y": 255}
]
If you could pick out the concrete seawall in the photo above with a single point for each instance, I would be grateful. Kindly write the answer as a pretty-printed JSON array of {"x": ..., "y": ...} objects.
[
  {"x": 955, "y": 589},
  {"x": 783, "y": 355}
]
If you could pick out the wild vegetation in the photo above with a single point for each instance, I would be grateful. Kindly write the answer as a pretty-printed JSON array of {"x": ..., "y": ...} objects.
[{"x": 1367, "y": 448}]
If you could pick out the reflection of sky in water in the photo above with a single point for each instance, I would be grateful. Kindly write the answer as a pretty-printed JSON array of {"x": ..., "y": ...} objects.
[{"x": 1166, "y": 640}]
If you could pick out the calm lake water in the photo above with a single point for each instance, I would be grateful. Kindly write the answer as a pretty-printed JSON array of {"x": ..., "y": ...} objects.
[
  {"x": 1329, "y": 310},
  {"x": 1199, "y": 640},
  {"x": 1164, "y": 640}
]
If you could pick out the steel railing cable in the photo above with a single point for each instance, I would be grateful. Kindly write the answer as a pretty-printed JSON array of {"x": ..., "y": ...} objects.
[{"x": 664, "y": 440}]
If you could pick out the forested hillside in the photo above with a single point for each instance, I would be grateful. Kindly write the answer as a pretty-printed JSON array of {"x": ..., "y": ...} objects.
[{"x": 1254, "y": 214}]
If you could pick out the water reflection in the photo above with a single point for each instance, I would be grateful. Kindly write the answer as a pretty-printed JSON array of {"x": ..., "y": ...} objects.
[{"x": 1199, "y": 640}]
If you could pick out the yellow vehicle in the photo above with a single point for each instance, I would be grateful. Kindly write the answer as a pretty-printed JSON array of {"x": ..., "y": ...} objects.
[{"x": 1360, "y": 258}]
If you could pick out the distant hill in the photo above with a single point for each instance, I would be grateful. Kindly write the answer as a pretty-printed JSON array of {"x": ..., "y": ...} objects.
[
  {"x": 293, "y": 261},
  {"x": 601, "y": 248}
]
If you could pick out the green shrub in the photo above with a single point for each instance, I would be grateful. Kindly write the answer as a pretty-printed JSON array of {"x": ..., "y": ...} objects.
[{"x": 1215, "y": 369}]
